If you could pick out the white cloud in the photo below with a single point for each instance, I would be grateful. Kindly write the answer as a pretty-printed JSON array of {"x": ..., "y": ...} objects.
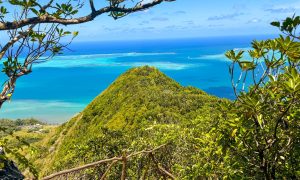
[
  {"x": 254, "y": 20},
  {"x": 225, "y": 16}
]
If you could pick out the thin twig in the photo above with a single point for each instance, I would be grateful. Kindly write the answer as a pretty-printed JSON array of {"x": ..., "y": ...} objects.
[{"x": 108, "y": 169}]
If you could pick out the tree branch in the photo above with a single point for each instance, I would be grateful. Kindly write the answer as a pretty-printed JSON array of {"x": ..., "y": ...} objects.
[
  {"x": 14, "y": 40},
  {"x": 92, "y": 6},
  {"x": 108, "y": 169},
  {"x": 65, "y": 21},
  {"x": 113, "y": 160}
]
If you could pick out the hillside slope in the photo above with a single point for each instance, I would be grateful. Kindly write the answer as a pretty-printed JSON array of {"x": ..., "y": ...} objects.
[{"x": 142, "y": 108}]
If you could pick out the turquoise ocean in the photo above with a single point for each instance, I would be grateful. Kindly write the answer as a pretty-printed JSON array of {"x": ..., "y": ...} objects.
[{"x": 60, "y": 88}]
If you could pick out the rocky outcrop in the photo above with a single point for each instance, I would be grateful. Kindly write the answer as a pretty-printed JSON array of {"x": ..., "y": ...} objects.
[{"x": 8, "y": 169}]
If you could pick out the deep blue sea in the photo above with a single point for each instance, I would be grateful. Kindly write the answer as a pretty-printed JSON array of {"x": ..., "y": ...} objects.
[{"x": 62, "y": 87}]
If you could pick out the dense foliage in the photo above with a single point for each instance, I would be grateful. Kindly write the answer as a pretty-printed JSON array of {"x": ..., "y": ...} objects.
[
  {"x": 263, "y": 141},
  {"x": 257, "y": 136},
  {"x": 36, "y": 31},
  {"x": 9, "y": 125},
  {"x": 142, "y": 109},
  {"x": 14, "y": 138}
]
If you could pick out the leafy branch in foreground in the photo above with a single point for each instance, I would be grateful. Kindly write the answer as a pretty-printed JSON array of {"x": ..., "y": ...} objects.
[
  {"x": 264, "y": 138},
  {"x": 35, "y": 34}
]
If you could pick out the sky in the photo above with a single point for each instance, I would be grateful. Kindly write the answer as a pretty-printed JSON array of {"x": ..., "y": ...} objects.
[
  {"x": 185, "y": 19},
  {"x": 189, "y": 19}
]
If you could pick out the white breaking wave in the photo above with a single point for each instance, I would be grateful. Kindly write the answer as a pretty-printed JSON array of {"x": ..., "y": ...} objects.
[
  {"x": 41, "y": 109},
  {"x": 32, "y": 105},
  {"x": 217, "y": 57},
  {"x": 110, "y": 60},
  {"x": 107, "y": 63},
  {"x": 164, "y": 65},
  {"x": 113, "y": 55}
]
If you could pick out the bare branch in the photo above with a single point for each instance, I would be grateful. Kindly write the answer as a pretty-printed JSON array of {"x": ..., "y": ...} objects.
[
  {"x": 92, "y": 6},
  {"x": 108, "y": 169},
  {"x": 123, "y": 158}
]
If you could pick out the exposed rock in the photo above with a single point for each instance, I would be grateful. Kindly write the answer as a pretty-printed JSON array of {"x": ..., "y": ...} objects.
[{"x": 8, "y": 169}]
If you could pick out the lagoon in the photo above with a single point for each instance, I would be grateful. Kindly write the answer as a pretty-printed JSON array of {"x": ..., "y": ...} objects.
[{"x": 63, "y": 86}]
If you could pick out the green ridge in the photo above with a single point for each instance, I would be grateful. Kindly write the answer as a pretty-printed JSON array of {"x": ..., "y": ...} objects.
[{"x": 142, "y": 108}]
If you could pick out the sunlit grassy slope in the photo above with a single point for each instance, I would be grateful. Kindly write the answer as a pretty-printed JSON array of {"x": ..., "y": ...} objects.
[{"x": 142, "y": 108}]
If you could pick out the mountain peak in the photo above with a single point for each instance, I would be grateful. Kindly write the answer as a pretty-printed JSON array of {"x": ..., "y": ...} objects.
[
  {"x": 139, "y": 90},
  {"x": 145, "y": 76},
  {"x": 143, "y": 70},
  {"x": 139, "y": 98}
]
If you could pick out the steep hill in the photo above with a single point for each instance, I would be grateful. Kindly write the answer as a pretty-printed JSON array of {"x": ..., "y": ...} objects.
[{"x": 142, "y": 108}]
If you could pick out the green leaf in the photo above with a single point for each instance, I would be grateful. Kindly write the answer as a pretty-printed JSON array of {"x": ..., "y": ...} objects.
[
  {"x": 260, "y": 120},
  {"x": 275, "y": 23},
  {"x": 247, "y": 65},
  {"x": 75, "y": 33},
  {"x": 36, "y": 12},
  {"x": 234, "y": 133}
]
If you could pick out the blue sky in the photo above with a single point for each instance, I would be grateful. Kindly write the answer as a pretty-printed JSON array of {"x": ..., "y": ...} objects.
[{"x": 191, "y": 18}]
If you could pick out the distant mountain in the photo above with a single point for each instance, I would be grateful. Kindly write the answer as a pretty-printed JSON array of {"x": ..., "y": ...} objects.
[{"x": 143, "y": 108}]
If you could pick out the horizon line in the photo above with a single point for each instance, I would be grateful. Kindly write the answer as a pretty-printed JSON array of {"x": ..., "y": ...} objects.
[{"x": 176, "y": 38}]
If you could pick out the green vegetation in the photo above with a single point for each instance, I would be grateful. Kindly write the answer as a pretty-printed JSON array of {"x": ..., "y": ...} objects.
[
  {"x": 36, "y": 30},
  {"x": 142, "y": 109},
  {"x": 15, "y": 125},
  {"x": 264, "y": 140},
  {"x": 27, "y": 35},
  {"x": 17, "y": 138},
  {"x": 255, "y": 137},
  {"x": 11, "y": 127}
]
